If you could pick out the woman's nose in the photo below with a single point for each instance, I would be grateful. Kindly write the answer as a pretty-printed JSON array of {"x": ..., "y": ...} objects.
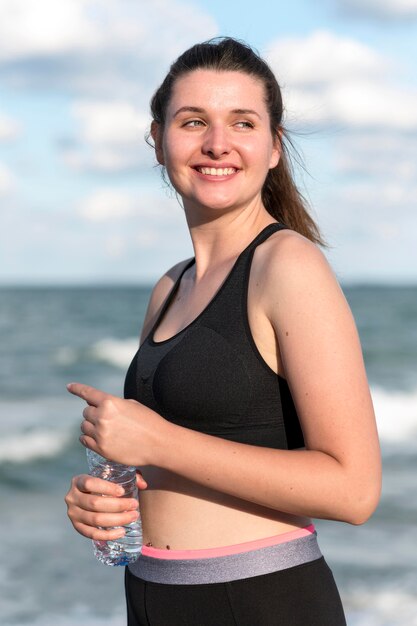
[{"x": 216, "y": 142}]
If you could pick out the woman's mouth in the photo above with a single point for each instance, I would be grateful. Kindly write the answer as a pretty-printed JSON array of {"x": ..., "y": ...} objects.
[{"x": 216, "y": 171}]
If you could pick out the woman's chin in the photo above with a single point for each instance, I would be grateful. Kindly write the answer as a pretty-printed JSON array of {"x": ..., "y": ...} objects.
[{"x": 212, "y": 206}]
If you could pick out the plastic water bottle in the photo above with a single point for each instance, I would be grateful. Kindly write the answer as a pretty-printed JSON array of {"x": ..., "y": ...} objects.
[{"x": 126, "y": 549}]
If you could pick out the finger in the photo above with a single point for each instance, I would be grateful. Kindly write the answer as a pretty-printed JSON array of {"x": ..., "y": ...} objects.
[
  {"x": 104, "y": 520},
  {"x": 98, "y": 535},
  {"x": 140, "y": 481},
  {"x": 87, "y": 429},
  {"x": 87, "y": 484},
  {"x": 89, "y": 442},
  {"x": 90, "y": 414},
  {"x": 97, "y": 503},
  {"x": 106, "y": 505},
  {"x": 91, "y": 395}
]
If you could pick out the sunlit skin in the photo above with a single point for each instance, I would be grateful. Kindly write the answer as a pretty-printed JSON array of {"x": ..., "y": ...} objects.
[{"x": 217, "y": 120}]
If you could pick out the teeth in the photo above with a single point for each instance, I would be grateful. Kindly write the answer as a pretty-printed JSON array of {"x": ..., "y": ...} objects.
[{"x": 212, "y": 171}]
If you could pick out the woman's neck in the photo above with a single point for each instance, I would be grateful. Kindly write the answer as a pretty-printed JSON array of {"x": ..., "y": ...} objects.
[{"x": 218, "y": 242}]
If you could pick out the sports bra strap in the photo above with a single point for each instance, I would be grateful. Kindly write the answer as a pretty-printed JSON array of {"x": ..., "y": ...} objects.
[
  {"x": 260, "y": 237},
  {"x": 170, "y": 296}
]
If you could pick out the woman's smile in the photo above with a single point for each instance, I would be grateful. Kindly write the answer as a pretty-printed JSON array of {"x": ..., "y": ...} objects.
[{"x": 218, "y": 173}]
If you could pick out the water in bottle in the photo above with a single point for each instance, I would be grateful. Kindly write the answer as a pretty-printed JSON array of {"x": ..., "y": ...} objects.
[{"x": 126, "y": 549}]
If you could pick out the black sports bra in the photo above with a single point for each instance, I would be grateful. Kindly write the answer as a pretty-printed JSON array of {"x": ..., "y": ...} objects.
[{"x": 210, "y": 376}]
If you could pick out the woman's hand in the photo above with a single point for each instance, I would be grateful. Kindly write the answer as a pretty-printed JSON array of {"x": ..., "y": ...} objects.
[
  {"x": 121, "y": 430},
  {"x": 88, "y": 509}
]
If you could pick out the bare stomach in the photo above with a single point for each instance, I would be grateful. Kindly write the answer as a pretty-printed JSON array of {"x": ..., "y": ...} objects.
[{"x": 179, "y": 514}]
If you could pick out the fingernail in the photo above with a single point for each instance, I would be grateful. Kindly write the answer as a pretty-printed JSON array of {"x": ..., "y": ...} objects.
[{"x": 120, "y": 491}]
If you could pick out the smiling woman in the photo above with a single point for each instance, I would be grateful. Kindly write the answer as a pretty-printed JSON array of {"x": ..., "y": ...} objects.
[
  {"x": 280, "y": 195},
  {"x": 205, "y": 147},
  {"x": 239, "y": 443}
]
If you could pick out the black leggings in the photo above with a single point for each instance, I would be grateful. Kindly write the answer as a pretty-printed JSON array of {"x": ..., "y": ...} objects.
[{"x": 303, "y": 595}]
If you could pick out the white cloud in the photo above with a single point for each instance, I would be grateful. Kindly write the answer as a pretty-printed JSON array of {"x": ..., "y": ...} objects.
[
  {"x": 31, "y": 28},
  {"x": 371, "y": 227},
  {"x": 386, "y": 155},
  {"x": 134, "y": 234},
  {"x": 321, "y": 58},
  {"x": 337, "y": 80},
  {"x": 355, "y": 104},
  {"x": 368, "y": 104},
  {"x": 367, "y": 201},
  {"x": 111, "y": 234},
  {"x": 114, "y": 246},
  {"x": 110, "y": 137},
  {"x": 99, "y": 160},
  {"x": 96, "y": 46},
  {"x": 401, "y": 9},
  {"x": 381, "y": 198},
  {"x": 9, "y": 128},
  {"x": 111, "y": 123},
  {"x": 366, "y": 207},
  {"x": 7, "y": 180},
  {"x": 107, "y": 204},
  {"x": 111, "y": 204}
]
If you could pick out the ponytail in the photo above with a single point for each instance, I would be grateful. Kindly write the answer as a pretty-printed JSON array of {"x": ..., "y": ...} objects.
[{"x": 284, "y": 201}]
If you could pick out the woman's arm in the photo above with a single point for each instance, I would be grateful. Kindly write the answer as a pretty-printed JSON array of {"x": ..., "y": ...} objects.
[
  {"x": 338, "y": 476},
  {"x": 87, "y": 509},
  {"x": 322, "y": 357}
]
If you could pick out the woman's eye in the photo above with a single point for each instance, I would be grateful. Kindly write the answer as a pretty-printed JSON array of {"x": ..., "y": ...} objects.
[
  {"x": 193, "y": 123},
  {"x": 244, "y": 124}
]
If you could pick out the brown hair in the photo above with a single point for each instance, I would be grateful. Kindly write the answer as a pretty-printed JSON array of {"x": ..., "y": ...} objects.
[{"x": 280, "y": 195}]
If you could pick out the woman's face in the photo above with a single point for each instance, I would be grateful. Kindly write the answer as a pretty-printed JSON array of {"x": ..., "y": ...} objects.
[{"x": 216, "y": 144}]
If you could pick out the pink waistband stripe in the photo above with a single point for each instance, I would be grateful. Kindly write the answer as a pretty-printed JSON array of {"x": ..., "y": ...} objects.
[{"x": 237, "y": 548}]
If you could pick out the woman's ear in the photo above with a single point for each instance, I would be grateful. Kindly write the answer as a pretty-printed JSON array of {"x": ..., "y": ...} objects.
[
  {"x": 276, "y": 149},
  {"x": 156, "y": 134}
]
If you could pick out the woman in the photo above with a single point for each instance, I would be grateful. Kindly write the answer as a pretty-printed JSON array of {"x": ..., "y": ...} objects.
[{"x": 251, "y": 411}]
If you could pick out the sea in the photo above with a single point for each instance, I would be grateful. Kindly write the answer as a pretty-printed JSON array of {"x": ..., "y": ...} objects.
[{"x": 50, "y": 336}]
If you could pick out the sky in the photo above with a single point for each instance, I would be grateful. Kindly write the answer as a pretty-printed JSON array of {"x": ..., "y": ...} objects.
[{"x": 81, "y": 199}]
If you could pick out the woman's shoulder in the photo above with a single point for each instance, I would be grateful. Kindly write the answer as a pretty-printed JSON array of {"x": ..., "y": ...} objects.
[
  {"x": 166, "y": 282},
  {"x": 159, "y": 294},
  {"x": 294, "y": 271},
  {"x": 287, "y": 254}
]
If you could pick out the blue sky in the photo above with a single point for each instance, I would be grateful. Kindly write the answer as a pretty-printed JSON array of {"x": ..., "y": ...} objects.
[{"x": 80, "y": 200}]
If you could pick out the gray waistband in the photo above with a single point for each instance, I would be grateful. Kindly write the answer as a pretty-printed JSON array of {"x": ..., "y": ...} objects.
[{"x": 227, "y": 568}]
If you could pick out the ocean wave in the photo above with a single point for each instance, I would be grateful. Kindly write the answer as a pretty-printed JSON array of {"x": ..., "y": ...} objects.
[
  {"x": 79, "y": 615},
  {"x": 66, "y": 356},
  {"x": 115, "y": 352},
  {"x": 38, "y": 444},
  {"x": 36, "y": 428},
  {"x": 390, "y": 606},
  {"x": 396, "y": 414},
  {"x": 118, "y": 352}
]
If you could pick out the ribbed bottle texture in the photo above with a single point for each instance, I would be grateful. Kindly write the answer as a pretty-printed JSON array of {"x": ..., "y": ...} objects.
[{"x": 126, "y": 549}]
